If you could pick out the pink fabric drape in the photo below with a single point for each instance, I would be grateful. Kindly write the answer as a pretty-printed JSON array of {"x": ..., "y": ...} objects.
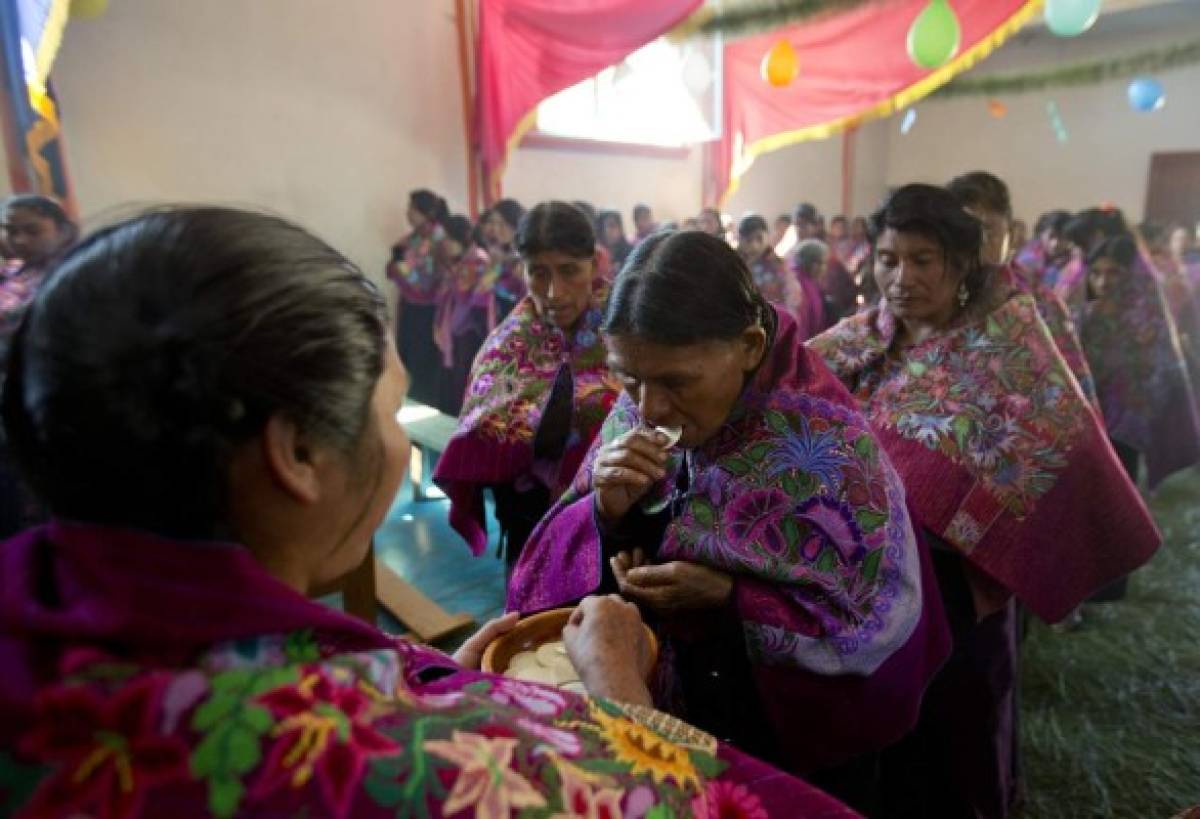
[
  {"x": 853, "y": 67},
  {"x": 530, "y": 49}
]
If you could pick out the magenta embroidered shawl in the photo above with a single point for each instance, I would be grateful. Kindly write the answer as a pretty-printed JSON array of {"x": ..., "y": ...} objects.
[
  {"x": 999, "y": 451},
  {"x": 416, "y": 272},
  {"x": 796, "y": 500},
  {"x": 149, "y": 678},
  {"x": 509, "y": 387}
]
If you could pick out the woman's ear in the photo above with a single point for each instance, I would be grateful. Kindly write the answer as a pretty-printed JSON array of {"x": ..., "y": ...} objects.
[
  {"x": 754, "y": 347},
  {"x": 292, "y": 459}
]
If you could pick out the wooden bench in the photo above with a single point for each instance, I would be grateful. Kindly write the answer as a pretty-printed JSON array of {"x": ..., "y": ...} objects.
[{"x": 373, "y": 583}]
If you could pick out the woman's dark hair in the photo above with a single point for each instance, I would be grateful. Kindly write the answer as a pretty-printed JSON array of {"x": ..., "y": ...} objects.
[
  {"x": 589, "y": 210},
  {"x": 1121, "y": 249},
  {"x": 556, "y": 226},
  {"x": 936, "y": 214},
  {"x": 44, "y": 207},
  {"x": 980, "y": 189},
  {"x": 478, "y": 230},
  {"x": 607, "y": 216},
  {"x": 805, "y": 212},
  {"x": 749, "y": 225},
  {"x": 161, "y": 344},
  {"x": 1082, "y": 229},
  {"x": 684, "y": 288},
  {"x": 510, "y": 210},
  {"x": 459, "y": 228},
  {"x": 641, "y": 210},
  {"x": 1054, "y": 221},
  {"x": 429, "y": 205}
]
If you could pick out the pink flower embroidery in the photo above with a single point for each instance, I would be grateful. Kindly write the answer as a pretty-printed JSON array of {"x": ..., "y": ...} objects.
[
  {"x": 565, "y": 742},
  {"x": 536, "y": 699},
  {"x": 728, "y": 800},
  {"x": 486, "y": 780}
]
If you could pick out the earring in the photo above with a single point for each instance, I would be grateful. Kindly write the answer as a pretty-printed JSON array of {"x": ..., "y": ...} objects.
[{"x": 964, "y": 295}]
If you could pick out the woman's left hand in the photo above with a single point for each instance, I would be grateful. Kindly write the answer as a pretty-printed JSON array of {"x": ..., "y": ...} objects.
[
  {"x": 670, "y": 587},
  {"x": 470, "y": 653}
]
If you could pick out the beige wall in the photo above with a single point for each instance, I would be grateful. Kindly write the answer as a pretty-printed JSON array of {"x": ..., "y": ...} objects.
[{"x": 326, "y": 112}]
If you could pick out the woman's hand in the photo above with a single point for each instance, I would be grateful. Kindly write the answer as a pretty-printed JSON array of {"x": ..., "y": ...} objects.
[
  {"x": 625, "y": 470},
  {"x": 671, "y": 587},
  {"x": 606, "y": 642},
  {"x": 470, "y": 653}
]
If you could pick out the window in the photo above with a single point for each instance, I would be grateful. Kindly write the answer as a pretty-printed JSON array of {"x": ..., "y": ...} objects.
[{"x": 662, "y": 94}]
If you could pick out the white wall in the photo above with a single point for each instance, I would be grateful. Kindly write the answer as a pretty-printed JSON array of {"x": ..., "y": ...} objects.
[{"x": 326, "y": 112}]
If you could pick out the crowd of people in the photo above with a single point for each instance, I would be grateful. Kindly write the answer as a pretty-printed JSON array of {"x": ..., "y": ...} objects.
[{"x": 830, "y": 466}]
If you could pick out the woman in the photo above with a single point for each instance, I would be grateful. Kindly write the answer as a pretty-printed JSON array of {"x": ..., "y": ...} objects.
[
  {"x": 769, "y": 272},
  {"x": 1047, "y": 252},
  {"x": 1141, "y": 377},
  {"x": 740, "y": 499},
  {"x": 709, "y": 221},
  {"x": 986, "y": 197},
  {"x": 1181, "y": 296},
  {"x": 160, "y": 655},
  {"x": 810, "y": 264},
  {"x": 612, "y": 236},
  {"x": 415, "y": 271},
  {"x": 35, "y": 229},
  {"x": 461, "y": 323},
  {"x": 1007, "y": 471},
  {"x": 504, "y": 275},
  {"x": 538, "y": 391}
]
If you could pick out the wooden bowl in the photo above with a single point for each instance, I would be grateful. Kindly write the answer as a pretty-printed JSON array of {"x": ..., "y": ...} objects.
[{"x": 535, "y": 630}]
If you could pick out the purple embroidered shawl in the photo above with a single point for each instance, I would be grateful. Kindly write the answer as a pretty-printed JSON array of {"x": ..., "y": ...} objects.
[
  {"x": 462, "y": 295},
  {"x": 777, "y": 284},
  {"x": 796, "y": 500},
  {"x": 1000, "y": 453},
  {"x": 1142, "y": 380},
  {"x": 509, "y": 387},
  {"x": 145, "y": 677}
]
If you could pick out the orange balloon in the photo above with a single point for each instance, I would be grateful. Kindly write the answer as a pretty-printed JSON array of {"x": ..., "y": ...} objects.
[
  {"x": 997, "y": 109},
  {"x": 780, "y": 65}
]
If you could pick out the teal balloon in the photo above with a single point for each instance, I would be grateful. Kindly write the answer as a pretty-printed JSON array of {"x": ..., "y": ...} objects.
[
  {"x": 1146, "y": 94},
  {"x": 1070, "y": 18},
  {"x": 934, "y": 36},
  {"x": 910, "y": 119}
]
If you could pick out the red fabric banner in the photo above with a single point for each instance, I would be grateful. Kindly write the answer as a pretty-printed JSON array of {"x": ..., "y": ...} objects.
[
  {"x": 531, "y": 49},
  {"x": 853, "y": 67}
]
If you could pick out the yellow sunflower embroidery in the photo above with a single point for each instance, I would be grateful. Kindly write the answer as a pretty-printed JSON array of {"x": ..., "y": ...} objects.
[{"x": 645, "y": 751}]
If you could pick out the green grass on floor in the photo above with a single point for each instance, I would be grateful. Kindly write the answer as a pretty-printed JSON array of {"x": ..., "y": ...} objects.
[{"x": 1111, "y": 712}]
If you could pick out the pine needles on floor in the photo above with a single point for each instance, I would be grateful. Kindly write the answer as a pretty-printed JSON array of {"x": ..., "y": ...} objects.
[{"x": 1111, "y": 711}]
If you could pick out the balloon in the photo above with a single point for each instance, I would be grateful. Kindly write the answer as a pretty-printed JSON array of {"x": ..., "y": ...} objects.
[
  {"x": 910, "y": 119},
  {"x": 934, "y": 36},
  {"x": 780, "y": 65},
  {"x": 83, "y": 9},
  {"x": 1056, "y": 123},
  {"x": 997, "y": 109},
  {"x": 1146, "y": 94},
  {"x": 1070, "y": 18}
]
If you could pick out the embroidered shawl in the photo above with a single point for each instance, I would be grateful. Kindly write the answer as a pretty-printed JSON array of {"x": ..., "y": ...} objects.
[
  {"x": 776, "y": 283},
  {"x": 1141, "y": 375},
  {"x": 509, "y": 388},
  {"x": 416, "y": 272},
  {"x": 999, "y": 451},
  {"x": 148, "y": 678},
  {"x": 796, "y": 500}
]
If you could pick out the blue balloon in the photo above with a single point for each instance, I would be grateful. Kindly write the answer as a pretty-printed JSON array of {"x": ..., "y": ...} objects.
[{"x": 1146, "y": 94}]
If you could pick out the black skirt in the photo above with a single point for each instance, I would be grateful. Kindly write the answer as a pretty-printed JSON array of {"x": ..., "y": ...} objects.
[{"x": 420, "y": 355}]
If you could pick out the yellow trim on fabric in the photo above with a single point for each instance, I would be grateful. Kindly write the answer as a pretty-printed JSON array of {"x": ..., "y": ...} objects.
[
  {"x": 52, "y": 34},
  {"x": 524, "y": 126},
  {"x": 902, "y": 99}
]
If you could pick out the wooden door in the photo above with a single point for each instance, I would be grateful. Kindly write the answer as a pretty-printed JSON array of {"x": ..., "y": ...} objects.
[{"x": 1173, "y": 194}]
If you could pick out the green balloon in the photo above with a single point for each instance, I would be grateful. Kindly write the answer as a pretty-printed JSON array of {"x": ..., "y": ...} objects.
[{"x": 934, "y": 37}]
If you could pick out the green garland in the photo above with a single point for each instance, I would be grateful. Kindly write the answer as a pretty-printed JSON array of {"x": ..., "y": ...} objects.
[
  {"x": 753, "y": 16},
  {"x": 1150, "y": 61}
]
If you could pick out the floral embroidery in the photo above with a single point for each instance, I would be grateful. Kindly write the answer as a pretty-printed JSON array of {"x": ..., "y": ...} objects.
[
  {"x": 537, "y": 699},
  {"x": 994, "y": 397},
  {"x": 582, "y": 801},
  {"x": 728, "y": 800},
  {"x": 415, "y": 273},
  {"x": 485, "y": 779},
  {"x": 107, "y": 749}
]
